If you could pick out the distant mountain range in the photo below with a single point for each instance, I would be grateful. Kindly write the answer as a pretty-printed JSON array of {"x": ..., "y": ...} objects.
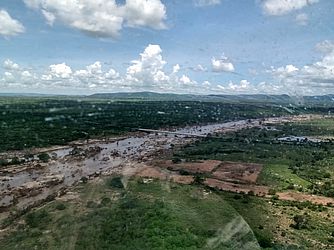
[
  {"x": 153, "y": 96},
  {"x": 25, "y": 95},
  {"x": 256, "y": 98}
]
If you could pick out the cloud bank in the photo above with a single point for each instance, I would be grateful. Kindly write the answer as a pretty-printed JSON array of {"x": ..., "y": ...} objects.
[
  {"x": 149, "y": 72},
  {"x": 282, "y": 7},
  {"x": 102, "y": 18},
  {"x": 9, "y": 26},
  {"x": 203, "y": 3},
  {"x": 315, "y": 78}
]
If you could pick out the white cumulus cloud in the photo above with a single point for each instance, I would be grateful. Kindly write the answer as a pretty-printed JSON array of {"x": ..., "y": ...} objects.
[
  {"x": 176, "y": 68},
  {"x": 185, "y": 79},
  {"x": 60, "y": 71},
  {"x": 9, "y": 26},
  {"x": 284, "y": 72},
  {"x": 302, "y": 19},
  {"x": 149, "y": 13},
  {"x": 317, "y": 77},
  {"x": 199, "y": 68},
  {"x": 149, "y": 72},
  {"x": 282, "y": 7},
  {"x": 102, "y": 18},
  {"x": 326, "y": 46},
  {"x": 222, "y": 65},
  {"x": 10, "y": 65},
  {"x": 242, "y": 86},
  {"x": 202, "y": 3},
  {"x": 112, "y": 74},
  {"x": 149, "y": 68}
]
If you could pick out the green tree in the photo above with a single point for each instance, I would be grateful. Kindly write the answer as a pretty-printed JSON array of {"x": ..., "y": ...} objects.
[{"x": 44, "y": 157}]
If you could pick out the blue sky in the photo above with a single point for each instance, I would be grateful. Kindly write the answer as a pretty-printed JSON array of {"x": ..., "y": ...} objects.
[{"x": 227, "y": 46}]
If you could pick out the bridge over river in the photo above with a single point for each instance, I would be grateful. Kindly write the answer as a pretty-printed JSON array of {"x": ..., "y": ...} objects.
[{"x": 172, "y": 132}]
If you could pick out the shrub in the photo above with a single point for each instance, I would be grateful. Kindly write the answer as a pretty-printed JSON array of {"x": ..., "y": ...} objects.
[
  {"x": 115, "y": 182},
  {"x": 275, "y": 197},
  {"x": 91, "y": 204},
  {"x": 272, "y": 191},
  {"x": 44, "y": 157},
  {"x": 15, "y": 161},
  {"x": 327, "y": 175},
  {"x": 3, "y": 162},
  {"x": 84, "y": 179},
  {"x": 198, "y": 179},
  {"x": 264, "y": 240},
  {"x": 105, "y": 201},
  {"x": 37, "y": 218},
  {"x": 60, "y": 206},
  {"x": 176, "y": 160},
  {"x": 183, "y": 172},
  {"x": 237, "y": 196},
  {"x": 245, "y": 199},
  {"x": 251, "y": 193},
  {"x": 301, "y": 222}
]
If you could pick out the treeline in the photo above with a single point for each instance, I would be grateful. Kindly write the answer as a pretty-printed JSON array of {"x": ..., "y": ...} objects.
[{"x": 43, "y": 122}]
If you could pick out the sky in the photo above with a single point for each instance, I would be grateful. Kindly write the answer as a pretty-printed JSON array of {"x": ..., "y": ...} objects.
[{"x": 167, "y": 46}]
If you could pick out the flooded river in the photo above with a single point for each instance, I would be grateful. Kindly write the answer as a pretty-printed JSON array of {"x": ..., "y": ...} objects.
[{"x": 34, "y": 181}]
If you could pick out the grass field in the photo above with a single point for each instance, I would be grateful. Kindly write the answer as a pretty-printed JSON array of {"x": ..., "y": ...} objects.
[{"x": 280, "y": 176}]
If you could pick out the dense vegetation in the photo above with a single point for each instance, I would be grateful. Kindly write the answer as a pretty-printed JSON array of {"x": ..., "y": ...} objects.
[{"x": 38, "y": 122}]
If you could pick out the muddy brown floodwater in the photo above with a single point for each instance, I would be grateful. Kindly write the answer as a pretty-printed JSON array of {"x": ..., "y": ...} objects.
[{"x": 32, "y": 182}]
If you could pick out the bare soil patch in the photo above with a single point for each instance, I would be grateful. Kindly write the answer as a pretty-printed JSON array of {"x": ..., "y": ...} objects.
[
  {"x": 69, "y": 196},
  {"x": 193, "y": 167},
  {"x": 229, "y": 176},
  {"x": 237, "y": 188},
  {"x": 238, "y": 171},
  {"x": 235, "y": 177},
  {"x": 182, "y": 179},
  {"x": 300, "y": 197},
  {"x": 152, "y": 173},
  {"x": 156, "y": 173}
]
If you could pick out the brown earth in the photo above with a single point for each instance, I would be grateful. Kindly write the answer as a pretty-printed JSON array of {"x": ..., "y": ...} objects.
[
  {"x": 237, "y": 188},
  {"x": 300, "y": 197},
  {"x": 156, "y": 173},
  {"x": 228, "y": 176},
  {"x": 152, "y": 173},
  {"x": 237, "y": 171},
  {"x": 193, "y": 167}
]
